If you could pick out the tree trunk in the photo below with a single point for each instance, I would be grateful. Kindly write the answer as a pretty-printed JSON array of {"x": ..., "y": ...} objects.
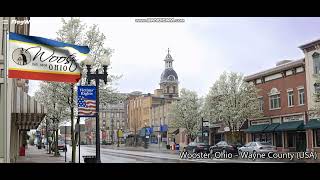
[
  {"x": 49, "y": 143},
  {"x": 73, "y": 159},
  {"x": 56, "y": 150}
]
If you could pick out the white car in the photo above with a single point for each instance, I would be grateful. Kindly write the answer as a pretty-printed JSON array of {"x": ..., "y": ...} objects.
[{"x": 257, "y": 147}]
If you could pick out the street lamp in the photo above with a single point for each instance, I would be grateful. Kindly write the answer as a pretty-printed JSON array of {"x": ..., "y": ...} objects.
[
  {"x": 145, "y": 136},
  {"x": 105, "y": 61}
]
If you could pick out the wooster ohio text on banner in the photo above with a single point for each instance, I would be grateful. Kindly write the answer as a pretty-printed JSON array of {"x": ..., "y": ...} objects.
[{"x": 38, "y": 58}]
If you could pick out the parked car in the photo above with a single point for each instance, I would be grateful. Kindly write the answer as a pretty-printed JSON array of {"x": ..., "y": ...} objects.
[
  {"x": 195, "y": 147},
  {"x": 258, "y": 147},
  {"x": 224, "y": 147},
  {"x": 61, "y": 146}
]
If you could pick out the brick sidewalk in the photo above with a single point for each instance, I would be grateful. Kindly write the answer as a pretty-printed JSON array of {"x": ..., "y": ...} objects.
[{"x": 35, "y": 155}]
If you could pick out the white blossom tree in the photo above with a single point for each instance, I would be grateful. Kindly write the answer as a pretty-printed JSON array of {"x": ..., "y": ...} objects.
[
  {"x": 232, "y": 101},
  {"x": 187, "y": 113},
  {"x": 73, "y": 31}
]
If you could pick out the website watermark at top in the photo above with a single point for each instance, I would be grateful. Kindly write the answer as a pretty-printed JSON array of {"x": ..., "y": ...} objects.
[{"x": 160, "y": 20}]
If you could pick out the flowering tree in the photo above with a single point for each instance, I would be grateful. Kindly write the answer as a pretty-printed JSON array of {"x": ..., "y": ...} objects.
[
  {"x": 73, "y": 31},
  {"x": 187, "y": 113},
  {"x": 232, "y": 101}
]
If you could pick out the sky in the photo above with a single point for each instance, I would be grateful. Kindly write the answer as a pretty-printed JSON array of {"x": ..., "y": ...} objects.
[{"x": 202, "y": 47}]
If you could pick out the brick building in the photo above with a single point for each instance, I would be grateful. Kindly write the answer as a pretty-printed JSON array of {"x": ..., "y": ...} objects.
[{"x": 283, "y": 103}]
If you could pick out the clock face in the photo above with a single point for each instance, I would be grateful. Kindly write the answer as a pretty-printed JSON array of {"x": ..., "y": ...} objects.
[{"x": 21, "y": 57}]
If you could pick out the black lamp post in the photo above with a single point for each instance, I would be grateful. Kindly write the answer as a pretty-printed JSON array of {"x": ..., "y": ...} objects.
[{"x": 97, "y": 77}]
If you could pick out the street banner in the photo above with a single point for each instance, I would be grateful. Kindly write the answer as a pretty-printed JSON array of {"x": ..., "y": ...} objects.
[
  {"x": 86, "y": 101},
  {"x": 37, "y": 58}
]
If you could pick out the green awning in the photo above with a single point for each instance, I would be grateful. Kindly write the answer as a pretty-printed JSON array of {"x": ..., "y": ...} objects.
[
  {"x": 271, "y": 127},
  {"x": 256, "y": 128},
  {"x": 313, "y": 124},
  {"x": 290, "y": 126}
]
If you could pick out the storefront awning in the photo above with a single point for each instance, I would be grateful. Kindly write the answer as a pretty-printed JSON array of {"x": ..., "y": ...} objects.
[
  {"x": 271, "y": 127},
  {"x": 290, "y": 126},
  {"x": 313, "y": 124},
  {"x": 256, "y": 128}
]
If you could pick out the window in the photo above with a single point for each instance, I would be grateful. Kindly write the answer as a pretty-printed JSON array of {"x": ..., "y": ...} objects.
[
  {"x": 301, "y": 96},
  {"x": 317, "y": 87},
  {"x": 316, "y": 63},
  {"x": 103, "y": 114},
  {"x": 260, "y": 103},
  {"x": 278, "y": 138},
  {"x": 275, "y": 101},
  {"x": 316, "y": 138},
  {"x": 291, "y": 139},
  {"x": 167, "y": 89},
  {"x": 174, "y": 89},
  {"x": 1, "y": 73},
  {"x": 290, "y": 98}
]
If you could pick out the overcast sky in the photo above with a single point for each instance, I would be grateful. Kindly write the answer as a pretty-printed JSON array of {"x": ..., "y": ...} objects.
[{"x": 202, "y": 48}]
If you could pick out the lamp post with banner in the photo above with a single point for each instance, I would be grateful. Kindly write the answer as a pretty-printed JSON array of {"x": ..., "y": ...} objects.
[{"x": 105, "y": 62}]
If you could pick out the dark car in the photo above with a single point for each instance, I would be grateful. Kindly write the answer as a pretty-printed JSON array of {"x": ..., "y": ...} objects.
[
  {"x": 61, "y": 146},
  {"x": 224, "y": 147},
  {"x": 195, "y": 147}
]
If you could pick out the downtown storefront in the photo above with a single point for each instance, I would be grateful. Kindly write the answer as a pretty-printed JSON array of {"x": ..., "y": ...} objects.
[{"x": 287, "y": 136}]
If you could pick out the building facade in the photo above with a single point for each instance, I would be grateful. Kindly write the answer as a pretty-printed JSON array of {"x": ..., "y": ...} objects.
[
  {"x": 283, "y": 103},
  {"x": 113, "y": 118},
  {"x": 312, "y": 62},
  {"x": 153, "y": 110},
  {"x": 23, "y": 111}
]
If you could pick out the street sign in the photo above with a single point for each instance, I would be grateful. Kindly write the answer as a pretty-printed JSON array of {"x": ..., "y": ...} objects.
[
  {"x": 159, "y": 136},
  {"x": 163, "y": 128},
  {"x": 206, "y": 123},
  {"x": 87, "y": 101},
  {"x": 226, "y": 129},
  {"x": 147, "y": 136}
]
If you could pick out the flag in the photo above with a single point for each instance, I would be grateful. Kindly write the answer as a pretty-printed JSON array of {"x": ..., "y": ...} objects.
[
  {"x": 37, "y": 58},
  {"x": 86, "y": 107},
  {"x": 86, "y": 101}
]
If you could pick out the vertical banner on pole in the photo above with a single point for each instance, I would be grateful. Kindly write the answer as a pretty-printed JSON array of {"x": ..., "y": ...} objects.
[{"x": 87, "y": 101}]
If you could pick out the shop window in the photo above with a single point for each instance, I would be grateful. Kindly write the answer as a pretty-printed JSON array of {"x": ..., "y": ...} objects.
[
  {"x": 278, "y": 139},
  {"x": 291, "y": 139},
  {"x": 316, "y": 137}
]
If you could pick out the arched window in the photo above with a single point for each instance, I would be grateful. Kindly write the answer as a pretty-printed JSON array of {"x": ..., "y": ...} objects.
[{"x": 316, "y": 63}]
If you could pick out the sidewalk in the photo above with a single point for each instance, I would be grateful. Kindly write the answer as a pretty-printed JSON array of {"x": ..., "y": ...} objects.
[{"x": 35, "y": 155}]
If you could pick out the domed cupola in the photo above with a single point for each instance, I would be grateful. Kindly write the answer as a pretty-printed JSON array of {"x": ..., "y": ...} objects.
[{"x": 169, "y": 78}]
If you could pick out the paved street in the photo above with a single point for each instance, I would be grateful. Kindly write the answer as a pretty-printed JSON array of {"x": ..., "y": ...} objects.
[{"x": 112, "y": 154}]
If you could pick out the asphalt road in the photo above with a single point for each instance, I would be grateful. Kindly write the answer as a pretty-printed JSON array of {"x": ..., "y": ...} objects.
[{"x": 125, "y": 156}]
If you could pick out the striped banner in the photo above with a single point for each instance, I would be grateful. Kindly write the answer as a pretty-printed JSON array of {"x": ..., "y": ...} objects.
[{"x": 38, "y": 58}]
